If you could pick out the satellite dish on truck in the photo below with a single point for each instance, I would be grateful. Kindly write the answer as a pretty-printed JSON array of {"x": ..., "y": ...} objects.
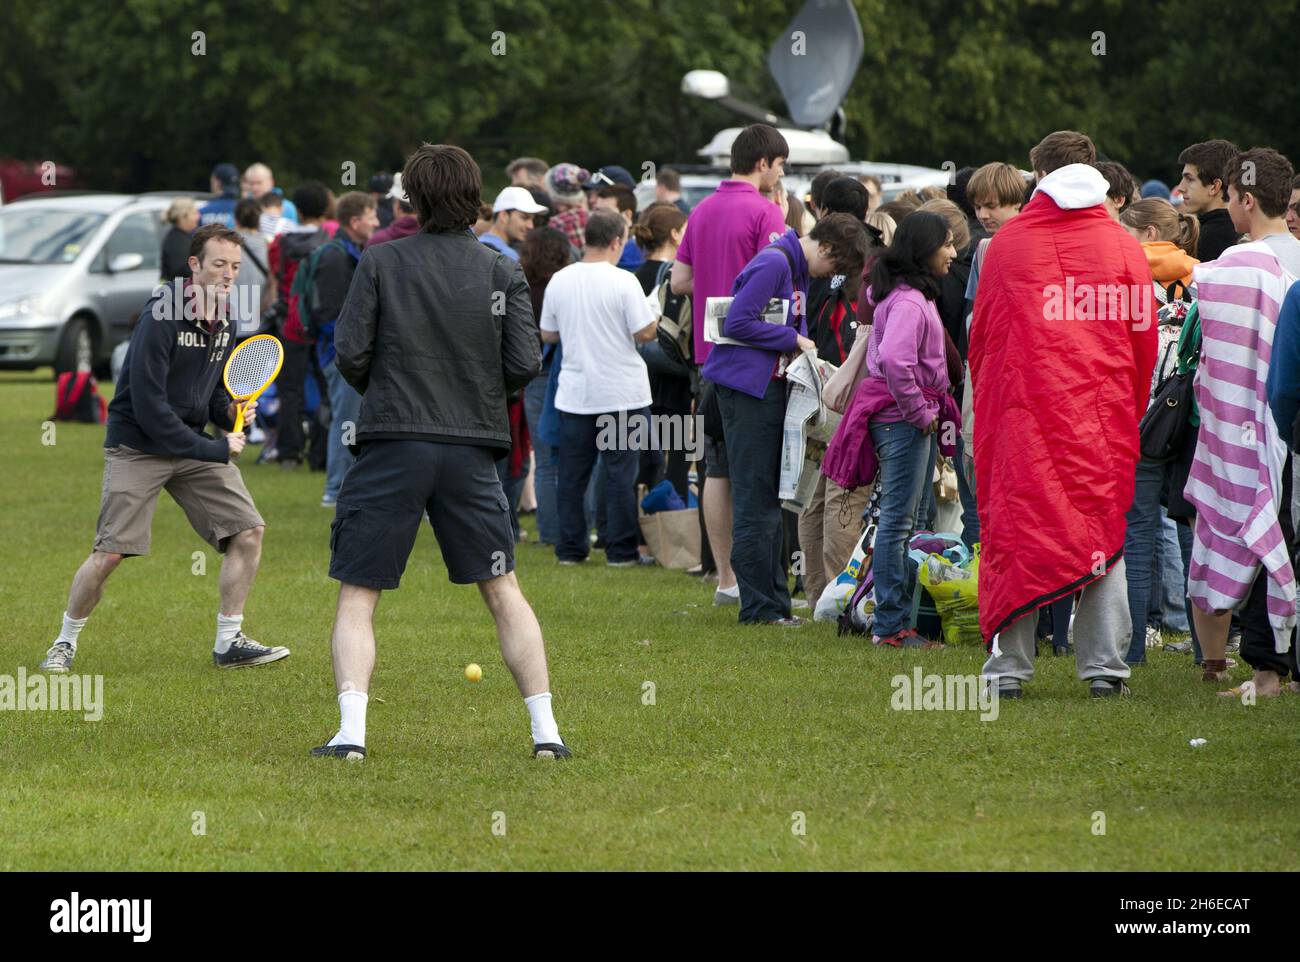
[
  {"x": 815, "y": 60},
  {"x": 813, "y": 63}
]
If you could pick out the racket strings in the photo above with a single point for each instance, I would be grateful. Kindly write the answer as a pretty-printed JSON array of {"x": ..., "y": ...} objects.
[{"x": 251, "y": 366}]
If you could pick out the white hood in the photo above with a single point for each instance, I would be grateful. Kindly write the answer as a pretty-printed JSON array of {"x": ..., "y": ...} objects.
[{"x": 1074, "y": 186}]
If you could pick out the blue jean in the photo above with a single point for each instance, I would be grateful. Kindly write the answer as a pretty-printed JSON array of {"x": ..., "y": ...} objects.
[
  {"x": 906, "y": 466},
  {"x": 753, "y": 428},
  {"x": 970, "y": 518},
  {"x": 1142, "y": 537},
  {"x": 546, "y": 464},
  {"x": 578, "y": 451},
  {"x": 1173, "y": 613},
  {"x": 1185, "y": 545},
  {"x": 345, "y": 407}
]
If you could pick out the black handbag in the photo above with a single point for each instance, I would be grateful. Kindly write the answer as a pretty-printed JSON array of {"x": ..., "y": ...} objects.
[{"x": 1162, "y": 431}]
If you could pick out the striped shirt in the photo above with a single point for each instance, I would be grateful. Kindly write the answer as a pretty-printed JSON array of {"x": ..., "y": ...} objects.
[{"x": 1236, "y": 476}]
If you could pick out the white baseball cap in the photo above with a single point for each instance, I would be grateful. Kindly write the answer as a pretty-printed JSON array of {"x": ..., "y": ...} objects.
[
  {"x": 516, "y": 198},
  {"x": 396, "y": 192}
]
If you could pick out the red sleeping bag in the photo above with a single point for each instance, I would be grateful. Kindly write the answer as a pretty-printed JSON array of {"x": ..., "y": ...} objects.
[{"x": 1062, "y": 346}]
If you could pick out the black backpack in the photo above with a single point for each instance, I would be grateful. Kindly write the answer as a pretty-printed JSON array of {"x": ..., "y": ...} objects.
[{"x": 304, "y": 286}]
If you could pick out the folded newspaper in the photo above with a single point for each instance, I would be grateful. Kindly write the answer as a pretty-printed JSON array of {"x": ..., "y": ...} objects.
[
  {"x": 715, "y": 316},
  {"x": 809, "y": 427}
]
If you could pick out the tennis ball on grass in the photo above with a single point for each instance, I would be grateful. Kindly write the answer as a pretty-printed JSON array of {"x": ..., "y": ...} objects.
[{"x": 473, "y": 672}]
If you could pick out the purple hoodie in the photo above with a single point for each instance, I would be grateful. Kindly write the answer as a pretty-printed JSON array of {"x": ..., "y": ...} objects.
[
  {"x": 906, "y": 351},
  {"x": 749, "y": 368}
]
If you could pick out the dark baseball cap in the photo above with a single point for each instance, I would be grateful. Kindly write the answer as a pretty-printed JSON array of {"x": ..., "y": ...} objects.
[
  {"x": 609, "y": 177},
  {"x": 226, "y": 174}
]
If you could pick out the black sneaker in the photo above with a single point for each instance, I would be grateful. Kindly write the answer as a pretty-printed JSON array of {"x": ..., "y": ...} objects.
[
  {"x": 244, "y": 652},
  {"x": 548, "y": 750},
  {"x": 1010, "y": 693},
  {"x": 1110, "y": 689},
  {"x": 349, "y": 753}
]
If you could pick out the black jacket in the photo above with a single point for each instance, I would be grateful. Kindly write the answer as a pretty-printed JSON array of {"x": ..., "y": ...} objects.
[
  {"x": 1217, "y": 235},
  {"x": 171, "y": 384},
  {"x": 436, "y": 331},
  {"x": 175, "y": 254},
  {"x": 334, "y": 273},
  {"x": 952, "y": 299}
]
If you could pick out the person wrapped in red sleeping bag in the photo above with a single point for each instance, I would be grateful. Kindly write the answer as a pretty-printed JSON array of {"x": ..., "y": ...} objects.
[{"x": 1062, "y": 346}]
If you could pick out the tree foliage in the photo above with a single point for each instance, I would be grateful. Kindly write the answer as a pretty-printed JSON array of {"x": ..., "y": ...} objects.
[{"x": 116, "y": 91}]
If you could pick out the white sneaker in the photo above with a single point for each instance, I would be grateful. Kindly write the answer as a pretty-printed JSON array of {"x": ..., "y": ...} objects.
[
  {"x": 58, "y": 659},
  {"x": 726, "y": 596},
  {"x": 1154, "y": 639}
]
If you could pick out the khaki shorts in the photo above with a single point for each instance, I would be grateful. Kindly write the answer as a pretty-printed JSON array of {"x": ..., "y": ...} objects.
[{"x": 211, "y": 494}]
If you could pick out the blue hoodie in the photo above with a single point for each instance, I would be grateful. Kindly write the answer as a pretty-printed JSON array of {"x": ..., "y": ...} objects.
[{"x": 749, "y": 368}]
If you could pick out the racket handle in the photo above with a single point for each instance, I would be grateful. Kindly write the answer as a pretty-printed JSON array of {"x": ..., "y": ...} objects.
[{"x": 239, "y": 418}]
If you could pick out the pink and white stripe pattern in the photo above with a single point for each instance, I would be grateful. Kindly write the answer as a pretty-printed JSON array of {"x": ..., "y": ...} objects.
[{"x": 1236, "y": 477}]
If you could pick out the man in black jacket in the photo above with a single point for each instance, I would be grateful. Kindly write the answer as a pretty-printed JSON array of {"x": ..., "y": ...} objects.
[
  {"x": 170, "y": 389},
  {"x": 1205, "y": 193},
  {"x": 335, "y": 265},
  {"x": 436, "y": 331}
]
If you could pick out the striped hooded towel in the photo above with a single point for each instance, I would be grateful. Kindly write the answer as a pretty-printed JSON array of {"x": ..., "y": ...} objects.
[{"x": 1236, "y": 476}]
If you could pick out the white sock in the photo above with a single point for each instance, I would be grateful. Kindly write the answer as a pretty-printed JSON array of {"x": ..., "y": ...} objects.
[
  {"x": 71, "y": 628},
  {"x": 227, "y": 631},
  {"x": 352, "y": 726},
  {"x": 545, "y": 731}
]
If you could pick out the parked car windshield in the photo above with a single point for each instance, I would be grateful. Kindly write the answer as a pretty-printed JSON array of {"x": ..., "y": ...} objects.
[{"x": 40, "y": 235}]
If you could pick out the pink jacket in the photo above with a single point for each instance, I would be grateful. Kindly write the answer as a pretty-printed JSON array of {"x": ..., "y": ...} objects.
[
  {"x": 907, "y": 352},
  {"x": 850, "y": 459}
]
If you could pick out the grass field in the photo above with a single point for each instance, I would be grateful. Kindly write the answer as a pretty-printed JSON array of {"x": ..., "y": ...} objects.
[{"x": 748, "y": 728}]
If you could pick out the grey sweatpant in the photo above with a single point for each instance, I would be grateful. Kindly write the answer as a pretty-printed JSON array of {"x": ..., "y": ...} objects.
[{"x": 1102, "y": 631}]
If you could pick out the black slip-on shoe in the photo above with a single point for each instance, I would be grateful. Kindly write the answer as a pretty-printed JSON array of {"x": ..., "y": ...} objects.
[
  {"x": 551, "y": 750},
  {"x": 349, "y": 753}
]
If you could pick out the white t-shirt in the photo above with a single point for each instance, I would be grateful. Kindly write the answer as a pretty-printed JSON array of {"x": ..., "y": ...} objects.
[
  {"x": 596, "y": 308},
  {"x": 1287, "y": 249}
]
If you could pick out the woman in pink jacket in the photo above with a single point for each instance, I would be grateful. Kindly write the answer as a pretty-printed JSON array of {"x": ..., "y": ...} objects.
[{"x": 906, "y": 355}]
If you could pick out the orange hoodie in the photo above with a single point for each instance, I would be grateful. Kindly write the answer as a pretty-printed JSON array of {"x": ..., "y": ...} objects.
[{"x": 1169, "y": 262}]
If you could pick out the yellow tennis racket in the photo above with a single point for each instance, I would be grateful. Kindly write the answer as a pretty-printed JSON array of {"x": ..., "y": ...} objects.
[{"x": 250, "y": 370}]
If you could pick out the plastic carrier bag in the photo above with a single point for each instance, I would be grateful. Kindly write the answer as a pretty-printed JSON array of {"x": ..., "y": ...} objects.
[
  {"x": 953, "y": 585},
  {"x": 835, "y": 596}
]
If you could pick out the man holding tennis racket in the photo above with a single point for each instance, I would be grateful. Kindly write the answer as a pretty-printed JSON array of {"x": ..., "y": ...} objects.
[{"x": 171, "y": 387}]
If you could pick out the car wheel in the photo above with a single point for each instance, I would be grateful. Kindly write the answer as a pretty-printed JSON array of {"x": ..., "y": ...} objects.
[{"x": 76, "y": 347}]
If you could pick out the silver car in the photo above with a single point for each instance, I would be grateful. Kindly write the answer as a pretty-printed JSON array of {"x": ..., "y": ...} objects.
[{"x": 75, "y": 272}]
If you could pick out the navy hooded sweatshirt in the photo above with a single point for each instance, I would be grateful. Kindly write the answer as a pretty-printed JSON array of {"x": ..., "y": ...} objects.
[{"x": 171, "y": 384}]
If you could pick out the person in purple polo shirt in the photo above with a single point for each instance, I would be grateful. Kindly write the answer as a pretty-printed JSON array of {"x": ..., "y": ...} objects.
[
  {"x": 750, "y": 385},
  {"x": 724, "y": 232}
]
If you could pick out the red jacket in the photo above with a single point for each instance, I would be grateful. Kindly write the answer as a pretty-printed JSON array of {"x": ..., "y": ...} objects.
[{"x": 1059, "y": 389}]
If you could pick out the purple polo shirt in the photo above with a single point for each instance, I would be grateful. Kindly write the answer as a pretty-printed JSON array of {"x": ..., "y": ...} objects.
[{"x": 724, "y": 232}]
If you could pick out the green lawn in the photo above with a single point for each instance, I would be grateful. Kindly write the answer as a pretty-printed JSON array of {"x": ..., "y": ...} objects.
[{"x": 749, "y": 726}]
